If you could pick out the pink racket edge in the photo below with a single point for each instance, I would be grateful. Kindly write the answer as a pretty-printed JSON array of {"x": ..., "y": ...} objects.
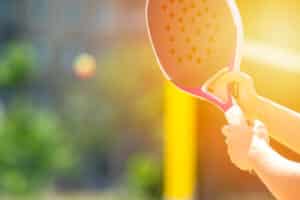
[{"x": 201, "y": 92}]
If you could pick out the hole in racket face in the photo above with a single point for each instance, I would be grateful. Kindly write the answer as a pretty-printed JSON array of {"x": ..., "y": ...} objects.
[{"x": 193, "y": 39}]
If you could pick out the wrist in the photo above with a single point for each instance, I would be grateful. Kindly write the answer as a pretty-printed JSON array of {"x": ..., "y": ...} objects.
[
  {"x": 251, "y": 106},
  {"x": 262, "y": 109},
  {"x": 247, "y": 99}
]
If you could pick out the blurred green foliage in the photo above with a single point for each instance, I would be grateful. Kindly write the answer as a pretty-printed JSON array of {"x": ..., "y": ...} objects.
[
  {"x": 33, "y": 144},
  {"x": 16, "y": 64},
  {"x": 32, "y": 148},
  {"x": 145, "y": 176},
  {"x": 111, "y": 116}
]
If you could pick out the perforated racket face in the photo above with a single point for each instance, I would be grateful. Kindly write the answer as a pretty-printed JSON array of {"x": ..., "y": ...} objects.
[{"x": 193, "y": 39}]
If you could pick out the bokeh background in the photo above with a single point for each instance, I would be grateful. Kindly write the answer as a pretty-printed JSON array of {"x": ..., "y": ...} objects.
[{"x": 82, "y": 100}]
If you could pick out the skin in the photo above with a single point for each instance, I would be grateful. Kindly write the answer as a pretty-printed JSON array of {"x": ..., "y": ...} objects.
[
  {"x": 283, "y": 123},
  {"x": 248, "y": 145}
]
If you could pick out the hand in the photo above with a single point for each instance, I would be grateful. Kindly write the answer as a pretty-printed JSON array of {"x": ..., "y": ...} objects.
[
  {"x": 246, "y": 95},
  {"x": 242, "y": 141}
]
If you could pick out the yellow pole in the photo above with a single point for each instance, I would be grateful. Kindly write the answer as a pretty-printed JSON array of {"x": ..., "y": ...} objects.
[{"x": 180, "y": 144}]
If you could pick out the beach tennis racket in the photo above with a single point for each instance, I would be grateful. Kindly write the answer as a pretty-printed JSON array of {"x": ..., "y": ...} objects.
[{"x": 193, "y": 40}]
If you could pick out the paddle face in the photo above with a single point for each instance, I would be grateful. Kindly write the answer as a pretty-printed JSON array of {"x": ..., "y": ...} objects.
[{"x": 194, "y": 39}]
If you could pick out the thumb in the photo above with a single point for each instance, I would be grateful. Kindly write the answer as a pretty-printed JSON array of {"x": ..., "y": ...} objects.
[{"x": 260, "y": 131}]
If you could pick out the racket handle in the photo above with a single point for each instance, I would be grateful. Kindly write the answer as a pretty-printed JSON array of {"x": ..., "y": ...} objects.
[{"x": 235, "y": 116}]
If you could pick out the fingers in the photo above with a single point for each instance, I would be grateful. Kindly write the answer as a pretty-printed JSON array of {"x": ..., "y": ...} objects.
[
  {"x": 230, "y": 130},
  {"x": 242, "y": 139},
  {"x": 226, "y": 130},
  {"x": 240, "y": 78},
  {"x": 260, "y": 131},
  {"x": 220, "y": 82},
  {"x": 224, "y": 78}
]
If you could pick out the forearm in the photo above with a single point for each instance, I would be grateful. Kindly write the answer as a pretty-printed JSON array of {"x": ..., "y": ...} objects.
[
  {"x": 280, "y": 175},
  {"x": 282, "y": 123}
]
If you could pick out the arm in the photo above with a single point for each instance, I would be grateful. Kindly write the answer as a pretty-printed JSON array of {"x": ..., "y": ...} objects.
[
  {"x": 280, "y": 175},
  {"x": 249, "y": 149},
  {"x": 283, "y": 123}
]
